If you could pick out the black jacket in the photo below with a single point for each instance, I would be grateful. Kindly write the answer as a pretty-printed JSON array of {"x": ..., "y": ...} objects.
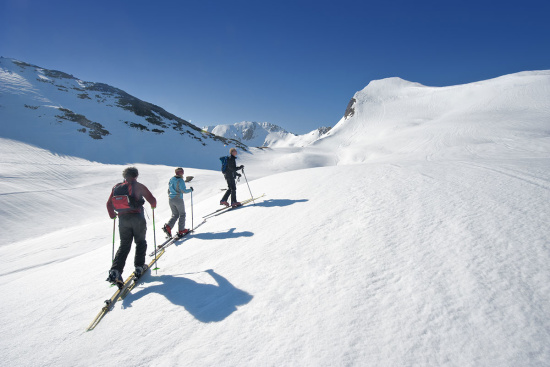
[{"x": 232, "y": 168}]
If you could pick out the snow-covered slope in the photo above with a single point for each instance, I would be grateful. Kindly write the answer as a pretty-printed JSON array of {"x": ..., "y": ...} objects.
[
  {"x": 414, "y": 233},
  {"x": 264, "y": 134},
  {"x": 58, "y": 112},
  {"x": 432, "y": 263},
  {"x": 393, "y": 119}
]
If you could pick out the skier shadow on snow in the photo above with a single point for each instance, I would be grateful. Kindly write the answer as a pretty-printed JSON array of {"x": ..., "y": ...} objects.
[
  {"x": 222, "y": 235},
  {"x": 279, "y": 202},
  {"x": 206, "y": 302}
]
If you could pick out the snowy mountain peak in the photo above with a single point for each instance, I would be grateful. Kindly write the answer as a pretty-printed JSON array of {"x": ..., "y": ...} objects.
[
  {"x": 387, "y": 87},
  {"x": 256, "y": 134},
  {"x": 393, "y": 116},
  {"x": 391, "y": 83},
  {"x": 264, "y": 134}
]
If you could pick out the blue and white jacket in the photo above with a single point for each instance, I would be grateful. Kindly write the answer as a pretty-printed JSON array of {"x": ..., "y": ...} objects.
[{"x": 176, "y": 187}]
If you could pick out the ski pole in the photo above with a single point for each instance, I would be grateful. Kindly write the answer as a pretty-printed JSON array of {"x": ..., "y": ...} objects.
[
  {"x": 252, "y": 196},
  {"x": 192, "y": 225},
  {"x": 155, "y": 240},
  {"x": 114, "y": 226}
]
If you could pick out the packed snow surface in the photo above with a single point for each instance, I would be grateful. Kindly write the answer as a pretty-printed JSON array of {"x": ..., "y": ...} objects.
[{"x": 412, "y": 234}]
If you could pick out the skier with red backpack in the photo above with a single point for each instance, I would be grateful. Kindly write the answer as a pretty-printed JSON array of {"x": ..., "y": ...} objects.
[
  {"x": 126, "y": 200},
  {"x": 229, "y": 170}
]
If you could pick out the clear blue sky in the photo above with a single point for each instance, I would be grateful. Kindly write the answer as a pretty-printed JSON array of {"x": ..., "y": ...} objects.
[{"x": 292, "y": 63}]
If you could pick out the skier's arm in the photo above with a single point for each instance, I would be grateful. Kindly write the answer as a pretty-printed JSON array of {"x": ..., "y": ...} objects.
[
  {"x": 185, "y": 189},
  {"x": 149, "y": 197}
]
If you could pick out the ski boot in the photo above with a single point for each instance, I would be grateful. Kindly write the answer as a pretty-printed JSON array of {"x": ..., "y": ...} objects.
[
  {"x": 183, "y": 233},
  {"x": 236, "y": 204},
  {"x": 167, "y": 230},
  {"x": 115, "y": 278},
  {"x": 224, "y": 203},
  {"x": 140, "y": 270}
]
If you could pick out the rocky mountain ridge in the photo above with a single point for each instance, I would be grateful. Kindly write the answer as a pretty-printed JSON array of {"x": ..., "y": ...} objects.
[{"x": 36, "y": 102}]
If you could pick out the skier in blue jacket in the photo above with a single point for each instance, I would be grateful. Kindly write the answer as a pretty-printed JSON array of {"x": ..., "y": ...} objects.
[{"x": 176, "y": 189}]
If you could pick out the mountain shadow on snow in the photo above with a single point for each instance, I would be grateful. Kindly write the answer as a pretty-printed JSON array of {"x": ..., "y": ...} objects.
[{"x": 205, "y": 302}]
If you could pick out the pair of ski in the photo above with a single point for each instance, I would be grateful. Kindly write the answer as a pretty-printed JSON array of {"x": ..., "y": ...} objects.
[
  {"x": 123, "y": 290},
  {"x": 228, "y": 208},
  {"x": 130, "y": 282},
  {"x": 175, "y": 238}
]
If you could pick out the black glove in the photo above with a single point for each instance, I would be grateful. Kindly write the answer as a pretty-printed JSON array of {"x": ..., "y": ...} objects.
[
  {"x": 191, "y": 188},
  {"x": 238, "y": 175},
  {"x": 241, "y": 166}
]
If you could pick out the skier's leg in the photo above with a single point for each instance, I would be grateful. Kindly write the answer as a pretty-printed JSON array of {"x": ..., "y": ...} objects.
[
  {"x": 175, "y": 212},
  {"x": 181, "y": 209},
  {"x": 233, "y": 189},
  {"x": 228, "y": 191},
  {"x": 140, "y": 231},
  {"x": 126, "y": 236}
]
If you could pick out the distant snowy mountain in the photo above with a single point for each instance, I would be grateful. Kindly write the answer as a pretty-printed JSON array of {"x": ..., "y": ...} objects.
[
  {"x": 95, "y": 121},
  {"x": 396, "y": 117},
  {"x": 392, "y": 118},
  {"x": 264, "y": 134}
]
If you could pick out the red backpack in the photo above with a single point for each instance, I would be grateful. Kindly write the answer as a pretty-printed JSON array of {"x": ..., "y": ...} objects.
[{"x": 123, "y": 198}]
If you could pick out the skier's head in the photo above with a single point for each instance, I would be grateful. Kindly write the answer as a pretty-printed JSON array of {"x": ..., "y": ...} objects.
[
  {"x": 130, "y": 173},
  {"x": 233, "y": 151},
  {"x": 179, "y": 171}
]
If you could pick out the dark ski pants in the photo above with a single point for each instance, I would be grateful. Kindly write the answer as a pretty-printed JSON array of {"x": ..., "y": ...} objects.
[
  {"x": 131, "y": 227},
  {"x": 178, "y": 213},
  {"x": 231, "y": 189}
]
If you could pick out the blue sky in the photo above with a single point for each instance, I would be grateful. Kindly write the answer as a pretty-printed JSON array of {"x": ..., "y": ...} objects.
[{"x": 292, "y": 63}]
